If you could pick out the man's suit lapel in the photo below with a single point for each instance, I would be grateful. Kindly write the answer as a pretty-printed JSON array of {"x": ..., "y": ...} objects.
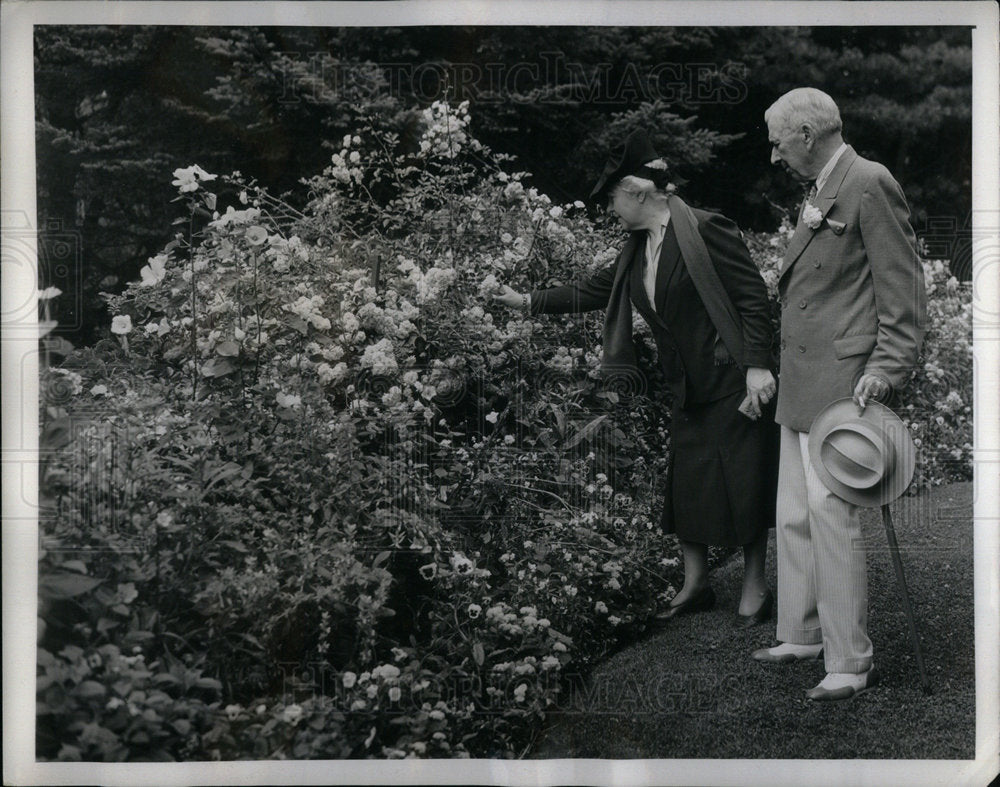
[{"x": 823, "y": 202}]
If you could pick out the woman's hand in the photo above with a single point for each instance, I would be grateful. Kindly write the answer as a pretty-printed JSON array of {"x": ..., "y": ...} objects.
[
  {"x": 761, "y": 388},
  {"x": 509, "y": 297}
]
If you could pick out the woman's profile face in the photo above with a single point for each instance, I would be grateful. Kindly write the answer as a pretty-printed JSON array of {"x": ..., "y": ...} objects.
[{"x": 625, "y": 206}]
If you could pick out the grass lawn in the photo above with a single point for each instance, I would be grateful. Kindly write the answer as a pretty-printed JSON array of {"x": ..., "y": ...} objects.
[{"x": 691, "y": 690}]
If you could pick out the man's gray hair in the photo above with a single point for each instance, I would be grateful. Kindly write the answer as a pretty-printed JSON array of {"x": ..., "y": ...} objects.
[{"x": 806, "y": 105}]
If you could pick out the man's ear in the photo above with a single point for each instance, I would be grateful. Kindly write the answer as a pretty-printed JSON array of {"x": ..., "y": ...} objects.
[
  {"x": 808, "y": 136},
  {"x": 641, "y": 196}
]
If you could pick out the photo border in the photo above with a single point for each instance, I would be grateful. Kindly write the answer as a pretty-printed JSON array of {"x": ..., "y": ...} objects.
[{"x": 20, "y": 386}]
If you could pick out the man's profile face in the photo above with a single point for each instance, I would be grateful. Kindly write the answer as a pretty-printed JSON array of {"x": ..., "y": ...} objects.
[{"x": 788, "y": 148}]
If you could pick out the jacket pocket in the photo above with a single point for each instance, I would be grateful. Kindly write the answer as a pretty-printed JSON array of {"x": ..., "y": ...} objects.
[
  {"x": 721, "y": 356},
  {"x": 854, "y": 345}
]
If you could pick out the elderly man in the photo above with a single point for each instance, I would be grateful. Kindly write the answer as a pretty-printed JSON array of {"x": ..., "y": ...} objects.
[{"x": 852, "y": 321}]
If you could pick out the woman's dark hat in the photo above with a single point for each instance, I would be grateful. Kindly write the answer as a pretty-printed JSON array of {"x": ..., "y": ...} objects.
[
  {"x": 866, "y": 459},
  {"x": 629, "y": 158}
]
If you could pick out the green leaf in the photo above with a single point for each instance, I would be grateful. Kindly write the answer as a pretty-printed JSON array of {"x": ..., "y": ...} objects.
[
  {"x": 208, "y": 683},
  {"x": 218, "y": 367},
  {"x": 227, "y": 349},
  {"x": 586, "y": 431},
  {"x": 224, "y": 472},
  {"x": 62, "y": 586},
  {"x": 239, "y": 547},
  {"x": 478, "y": 654},
  {"x": 90, "y": 689},
  {"x": 105, "y": 625},
  {"x": 56, "y": 434},
  {"x": 298, "y": 324}
]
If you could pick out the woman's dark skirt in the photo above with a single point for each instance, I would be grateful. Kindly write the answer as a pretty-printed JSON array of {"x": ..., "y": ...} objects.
[{"x": 723, "y": 473}]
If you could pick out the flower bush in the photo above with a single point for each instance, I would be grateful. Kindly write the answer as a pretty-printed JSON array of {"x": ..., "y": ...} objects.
[{"x": 342, "y": 502}]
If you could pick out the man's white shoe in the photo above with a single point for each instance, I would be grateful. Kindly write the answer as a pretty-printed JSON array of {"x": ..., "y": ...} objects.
[
  {"x": 787, "y": 652},
  {"x": 843, "y": 685}
]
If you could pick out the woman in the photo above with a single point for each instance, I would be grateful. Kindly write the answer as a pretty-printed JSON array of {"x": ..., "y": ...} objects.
[{"x": 691, "y": 277}]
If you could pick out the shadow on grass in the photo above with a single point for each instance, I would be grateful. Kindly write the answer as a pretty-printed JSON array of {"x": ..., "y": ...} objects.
[{"x": 691, "y": 690}]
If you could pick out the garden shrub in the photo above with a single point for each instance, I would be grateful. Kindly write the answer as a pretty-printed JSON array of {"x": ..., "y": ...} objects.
[{"x": 318, "y": 495}]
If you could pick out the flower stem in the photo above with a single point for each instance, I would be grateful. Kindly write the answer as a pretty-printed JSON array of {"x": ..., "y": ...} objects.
[{"x": 194, "y": 312}]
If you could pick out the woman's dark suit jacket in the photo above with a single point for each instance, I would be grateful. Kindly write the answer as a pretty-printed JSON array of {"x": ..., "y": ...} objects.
[
  {"x": 697, "y": 366},
  {"x": 723, "y": 466}
]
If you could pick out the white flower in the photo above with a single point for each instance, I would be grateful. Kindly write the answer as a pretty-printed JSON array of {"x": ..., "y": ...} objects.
[
  {"x": 288, "y": 400},
  {"x": 49, "y": 292},
  {"x": 256, "y": 235},
  {"x": 492, "y": 417},
  {"x": 99, "y": 390},
  {"x": 489, "y": 285},
  {"x": 460, "y": 564},
  {"x": 233, "y": 711},
  {"x": 601, "y": 607},
  {"x": 292, "y": 714},
  {"x": 520, "y": 691},
  {"x": 233, "y": 216},
  {"x": 349, "y": 322},
  {"x": 121, "y": 325},
  {"x": 812, "y": 217},
  {"x": 349, "y": 679},
  {"x": 188, "y": 179},
  {"x": 395, "y": 693},
  {"x": 153, "y": 273},
  {"x": 386, "y": 671}
]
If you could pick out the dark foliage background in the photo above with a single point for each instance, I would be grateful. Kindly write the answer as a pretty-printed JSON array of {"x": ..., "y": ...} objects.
[{"x": 119, "y": 106}]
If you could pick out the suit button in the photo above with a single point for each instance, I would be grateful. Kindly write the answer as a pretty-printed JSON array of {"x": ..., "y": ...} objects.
[
  {"x": 817, "y": 265},
  {"x": 802, "y": 304},
  {"x": 802, "y": 348}
]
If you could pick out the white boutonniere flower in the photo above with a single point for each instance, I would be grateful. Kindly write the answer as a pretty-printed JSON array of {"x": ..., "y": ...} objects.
[{"x": 811, "y": 216}]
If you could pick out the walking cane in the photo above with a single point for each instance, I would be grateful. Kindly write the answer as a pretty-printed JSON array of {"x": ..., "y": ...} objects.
[
  {"x": 897, "y": 564},
  {"x": 867, "y": 457}
]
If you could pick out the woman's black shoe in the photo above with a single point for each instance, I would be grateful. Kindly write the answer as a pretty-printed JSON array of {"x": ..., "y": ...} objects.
[
  {"x": 762, "y": 615},
  {"x": 701, "y": 601}
]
